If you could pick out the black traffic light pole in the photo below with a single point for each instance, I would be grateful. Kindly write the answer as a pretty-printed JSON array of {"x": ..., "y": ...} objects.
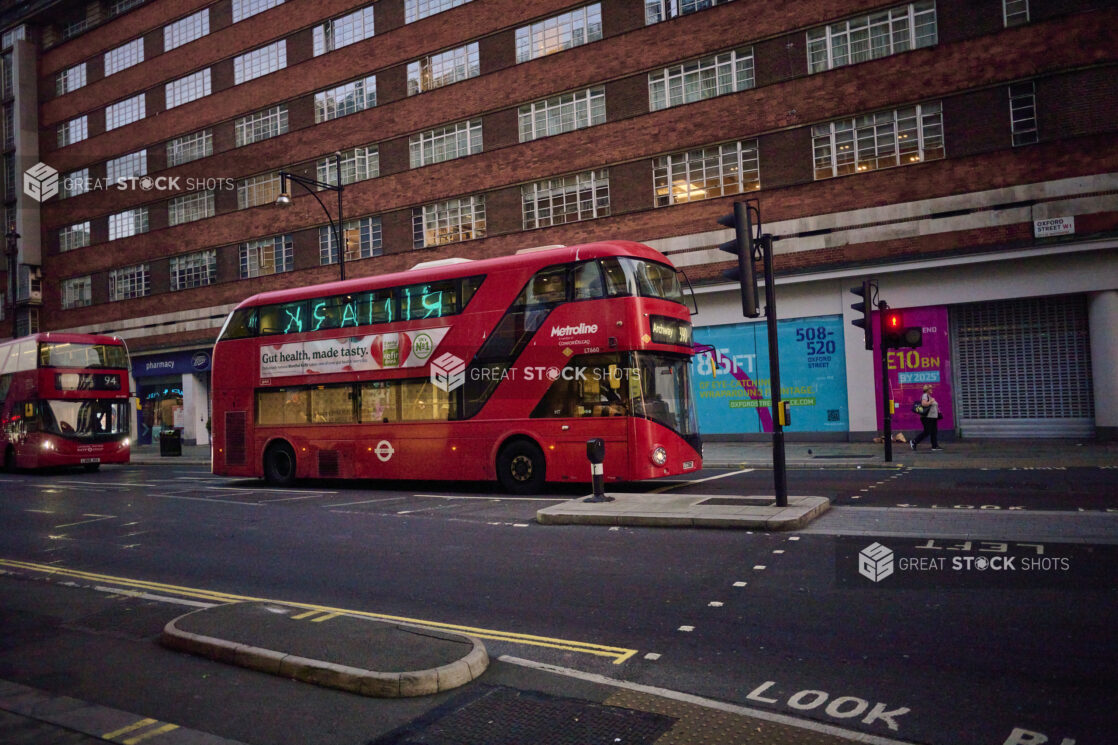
[
  {"x": 780, "y": 475},
  {"x": 886, "y": 413}
]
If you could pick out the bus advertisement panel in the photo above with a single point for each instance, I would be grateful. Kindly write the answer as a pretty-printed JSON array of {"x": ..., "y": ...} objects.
[
  {"x": 64, "y": 401},
  {"x": 732, "y": 383},
  {"x": 493, "y": 369}
]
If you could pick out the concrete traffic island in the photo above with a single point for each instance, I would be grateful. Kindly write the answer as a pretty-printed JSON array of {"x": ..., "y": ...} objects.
[
  {"x": 335, "y": 650},
  {"x": 687, "y": 510}
]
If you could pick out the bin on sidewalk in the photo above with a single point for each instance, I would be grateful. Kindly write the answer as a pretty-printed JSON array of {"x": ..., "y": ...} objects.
[{"x": 170, "y": 442}]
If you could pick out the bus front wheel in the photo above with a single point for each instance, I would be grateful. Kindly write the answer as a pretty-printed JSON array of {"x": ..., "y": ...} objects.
[
  {"x": 521, "y": 467},
  {"x": 279, "y": 465}
]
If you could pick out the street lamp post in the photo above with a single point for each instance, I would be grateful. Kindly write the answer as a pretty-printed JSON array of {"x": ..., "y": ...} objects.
[
  {"x": 12, "y": 255},
  {"x": 311, "y": 185}
]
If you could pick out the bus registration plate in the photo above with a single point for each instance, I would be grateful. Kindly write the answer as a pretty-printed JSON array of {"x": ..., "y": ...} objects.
[{"x": 91, "y": 460}]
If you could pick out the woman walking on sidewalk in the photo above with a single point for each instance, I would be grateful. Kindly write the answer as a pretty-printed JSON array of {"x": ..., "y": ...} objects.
[{"x": 929, "y": 420}]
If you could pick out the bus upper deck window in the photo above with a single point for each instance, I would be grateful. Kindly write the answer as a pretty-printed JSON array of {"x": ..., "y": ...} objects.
[
  {"x": 242, "y": 324},
  {"x": 587, "y": 281},
  {"x": 546, "y": 287}
]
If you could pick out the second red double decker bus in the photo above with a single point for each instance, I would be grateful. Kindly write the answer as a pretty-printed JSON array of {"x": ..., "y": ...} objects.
[{"x": 466, "y": 370}]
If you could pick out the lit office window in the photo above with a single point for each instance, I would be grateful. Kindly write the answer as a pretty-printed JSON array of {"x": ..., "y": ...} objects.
[
  {"x": 872, "y": 36},
  {"x": 706, "y": 173},
  {"x": 186, "y": 30},
  {"x": 130, "y": 282},
  {"x": 346, "y": 99},
  {"x": 124, "y": 56},
  {"x": 267, "y": 256},
  {"x": 358, "y": 164},
  {"x": 417, "y": 9},
  {"x": 564, "y": 113},
  {"x": 571, "y": 29},
  {"x": 187, "y": 89},
  {"x": 128, "y": 223},
  {"x": 189, "y": 147},
  {"x": 343, "y": 31},
  {"x": 363, "y": 236},
  {"x": 446, "y": 143},
  {"x": 448, "y": 222},
  {"x": 77, "y": 292},
  {"x": 125, "y": 112},
  {"x": 257, "y": 190},
  {"x": 260, "y": 62},
  {"x": 194, "y": 270},
  {"x": 261, "y": 125},
  {"x": 702, "y": 78},
  {"x": 444, "y": 68},
  {"x": 73, "y": 236},
  {"x": 880, "y": 140},
  {"x": 70, "y": 79},
  {"x": 554, "y": 201}
]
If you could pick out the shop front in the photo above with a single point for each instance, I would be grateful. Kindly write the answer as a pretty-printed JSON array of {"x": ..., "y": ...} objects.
[{"x": 174, "y": 392}]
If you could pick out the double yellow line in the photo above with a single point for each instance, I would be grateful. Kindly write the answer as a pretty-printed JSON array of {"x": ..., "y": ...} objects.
[{"x": 618, "y": 654}]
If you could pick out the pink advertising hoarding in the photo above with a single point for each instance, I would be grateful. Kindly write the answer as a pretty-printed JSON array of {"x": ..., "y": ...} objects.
[{"x": 911, "y": 369}]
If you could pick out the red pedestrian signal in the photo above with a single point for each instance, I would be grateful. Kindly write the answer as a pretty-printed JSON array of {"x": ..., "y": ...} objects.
[{"x": 896, "y": 335}]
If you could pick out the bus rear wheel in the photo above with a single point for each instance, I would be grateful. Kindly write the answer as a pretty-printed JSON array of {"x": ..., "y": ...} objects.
[
  {"x": 521, "y": 468},
  {"x": 279, "y": 464}
]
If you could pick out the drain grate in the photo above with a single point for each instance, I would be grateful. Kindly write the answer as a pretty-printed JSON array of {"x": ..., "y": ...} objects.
[
  {"x": 737, "y": 502},
  {"x": 497, "y": 715}
]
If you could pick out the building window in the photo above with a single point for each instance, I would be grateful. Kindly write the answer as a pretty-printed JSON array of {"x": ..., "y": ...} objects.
[
  {"x": 70, "y": 79},
  {"x": 572, "y": 29},
  {"x": 363, "y": 241},
  {"x": 702, "y": 78},
  {"x": 187, "y": 89},
  {"x": 880, "y": 140},
  {"x": 190, "y": 207},
  {"x": 77, "y": 292},
  {"x": 345, "y": 99},
  {"x": 1015, "y": 12},
  {"x": 872, "y": 36},
  {"x": 564, "y": 113},
  {"x": 267, "y": 256},
  {"x": 261, "y": 125},
  {"x": 358, "y": 164},
  {"x": 194, "y": 270},
  {"x": 128, "y": 223},
  {"x": 73, "y": 236},
  {"x": 707, "y": 173},
  {"x": 260, "y": 62},
  {"x": 124, "y": 56},
  {"x": 443, "y": 68},
  {"x": 580, "y": 196},
  {"x": 130, "y": 282},
  {"x": 186, "y": 30},
  {"x": 127, "y": 166},
  {"x": 189, "y": 147},
  {"x": 448, "y": 222},
  {"x": 343, "y": 31},
  {"x": 73, "y": 131},
  {"x": 446, "y": 143},
  {"x": 257, "y": 190},
  {"x": 416, "y": 9},
  {"x": 124, "y": 112},
  {"x": 243, "y": 9},
  {"x": 1022, "y": 113},
  {"x": 661, "y": 10},
  {"x": 73, "y": 183},
  {"x": 123, "y": 6}
]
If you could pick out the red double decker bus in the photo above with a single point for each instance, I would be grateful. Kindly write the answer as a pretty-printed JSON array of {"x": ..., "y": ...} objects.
[
  {"x": 64, "y": 401},
  {"x": 466, "y": 370}
]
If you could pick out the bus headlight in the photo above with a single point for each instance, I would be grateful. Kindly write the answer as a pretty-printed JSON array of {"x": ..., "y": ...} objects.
[
  {"x": 658, "y": 456},
  {"x": 48, "y": 445}
]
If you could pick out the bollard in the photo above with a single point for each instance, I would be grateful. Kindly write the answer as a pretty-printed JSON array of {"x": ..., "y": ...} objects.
[{"x": 596, "y": 452}]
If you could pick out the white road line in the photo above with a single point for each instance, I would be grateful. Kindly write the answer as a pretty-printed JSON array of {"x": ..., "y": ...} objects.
[
  {"x": 205, "y": 499},
  {"x": 96, "y": 519},
  {"x": 490, "y": 499},
  {"x": 745, "y": 711},
  {"x": 368, "y": 501},
  {"x": 663, "y": 489},
  {"x": 149, "y": 596}
]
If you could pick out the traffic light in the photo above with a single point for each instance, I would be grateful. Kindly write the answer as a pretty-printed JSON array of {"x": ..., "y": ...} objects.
[
  {"x": 897, "y": 335},
  {"x": 863, "y": 307},
  {"x": 742, "y": 247}
]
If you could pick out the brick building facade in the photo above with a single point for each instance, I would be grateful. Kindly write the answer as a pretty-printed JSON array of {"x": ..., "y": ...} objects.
[{"x": 963, "y": 153}]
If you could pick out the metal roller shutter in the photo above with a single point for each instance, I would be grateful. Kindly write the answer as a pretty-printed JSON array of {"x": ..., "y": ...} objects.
[{"x": 1023, "y": 368}]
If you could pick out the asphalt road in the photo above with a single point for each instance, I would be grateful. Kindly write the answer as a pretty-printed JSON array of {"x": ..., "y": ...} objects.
[{"x": 760, "y": 620}]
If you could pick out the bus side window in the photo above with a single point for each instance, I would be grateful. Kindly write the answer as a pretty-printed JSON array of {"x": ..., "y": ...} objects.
[
  {"x": 242, "y": 324},
  {"x": 587, "y": 281},
  {"x": 379, "y": 402},
  {"x": 332, "y": 404},
  {"x": 420, "y": 401},
  {"x": 470, "y": 285},
  {"x": 546, "y": 287},
  {"x": 270, "y": 320},
  {"x": 618, "y": 282}
]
